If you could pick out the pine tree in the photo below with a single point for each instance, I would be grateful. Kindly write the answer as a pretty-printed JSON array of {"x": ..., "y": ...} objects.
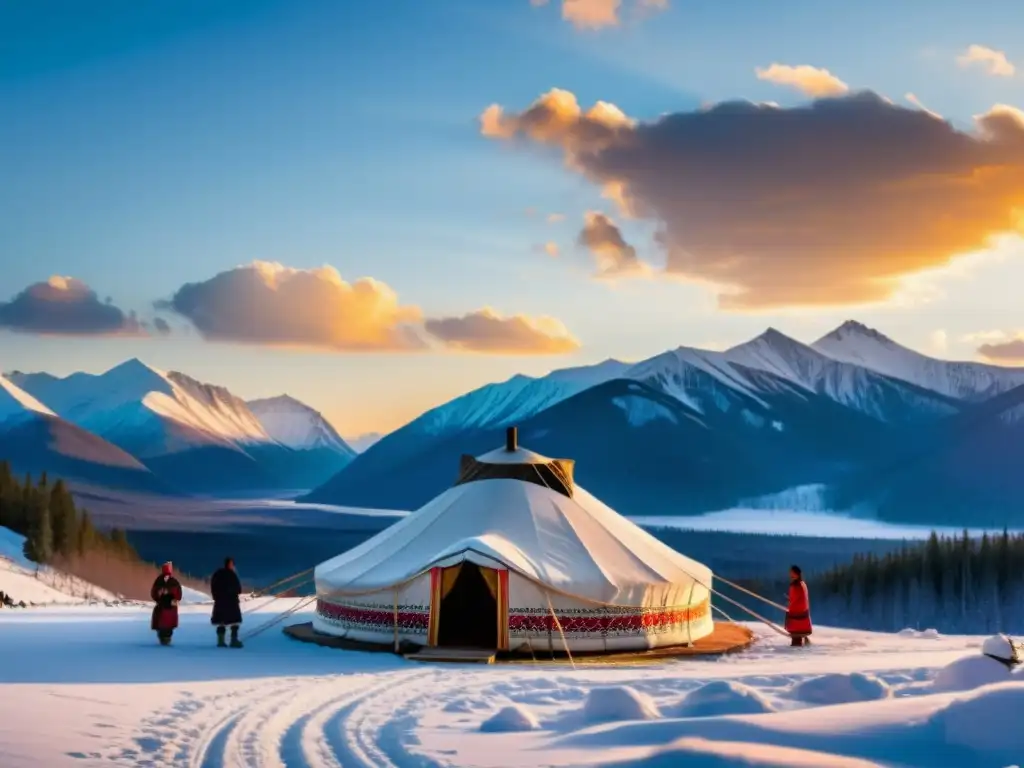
[
  {"x": 64, "y": 519},
  {"x": 85, "y": 538},
  {"x": 39, "y": 541}
]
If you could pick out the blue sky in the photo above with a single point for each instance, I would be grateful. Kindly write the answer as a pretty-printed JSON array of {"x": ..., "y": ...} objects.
[{"x": 149, "y": 145}]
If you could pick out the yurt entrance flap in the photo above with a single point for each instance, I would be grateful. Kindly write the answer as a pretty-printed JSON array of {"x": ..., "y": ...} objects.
[{"x": 468, "y": 607}]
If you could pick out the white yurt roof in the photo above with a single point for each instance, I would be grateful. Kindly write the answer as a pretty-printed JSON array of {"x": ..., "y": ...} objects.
[{"x": 577, "y": 546}]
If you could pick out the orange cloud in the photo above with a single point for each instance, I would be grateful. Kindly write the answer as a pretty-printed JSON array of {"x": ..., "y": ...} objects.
[
  {"x": 811, "y": 81},
  {"x": 615, "y": 257},
  {"x": 994, "y": 62},
  {"x": 273, "y": 305},
  {"x": 267, "y": 303},
  {"x": 596, "y": 14},
  {"x": 65, "y": 306},
  {"x": 827, "y": 203},
  {"x": 488, "y": 331}
]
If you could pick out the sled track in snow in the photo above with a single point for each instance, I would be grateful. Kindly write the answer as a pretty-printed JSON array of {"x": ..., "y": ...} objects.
[{"x": 339, "y": 721}]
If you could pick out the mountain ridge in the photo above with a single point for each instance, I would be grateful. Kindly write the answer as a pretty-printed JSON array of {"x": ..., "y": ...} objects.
[
  {"x": 806, "y": 412},
  {"x": 844, "y": 415}
]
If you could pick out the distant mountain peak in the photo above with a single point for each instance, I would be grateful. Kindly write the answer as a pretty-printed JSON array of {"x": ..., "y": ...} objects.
[
  {"x": 293, "y": 423},
  {"x": 855, "y": 329},
  {"x": 135, "y": 373},
  {"x": 774, "y": 337},
  {"x": 282, "y": 399}
]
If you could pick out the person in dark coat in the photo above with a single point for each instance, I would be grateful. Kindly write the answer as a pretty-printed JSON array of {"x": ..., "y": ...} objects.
[
  {"x": 226, "y": 590},
  {"x": 166, "y": 593},
  {"x": 798, "y": 613}
]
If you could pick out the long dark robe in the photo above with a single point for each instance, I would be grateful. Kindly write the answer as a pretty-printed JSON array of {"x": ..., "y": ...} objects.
[{"x": 226, "y": 590}]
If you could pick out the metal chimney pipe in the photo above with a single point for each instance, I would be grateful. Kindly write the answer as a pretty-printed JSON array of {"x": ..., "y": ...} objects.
[{"x": 511, "y": 439}]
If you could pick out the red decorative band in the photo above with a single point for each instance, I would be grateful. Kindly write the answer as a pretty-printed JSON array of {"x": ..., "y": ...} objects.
[
  {"x": 373, "y": 618},
  {"x": 608, "y": 620}
]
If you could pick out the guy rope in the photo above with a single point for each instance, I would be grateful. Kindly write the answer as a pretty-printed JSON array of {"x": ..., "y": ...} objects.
[{"x": 276, "y": 591}]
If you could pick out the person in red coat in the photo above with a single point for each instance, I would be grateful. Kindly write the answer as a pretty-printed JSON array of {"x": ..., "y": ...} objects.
[
  {"x": 798, "y": 614},
  {"x": 166, "y": 593}
]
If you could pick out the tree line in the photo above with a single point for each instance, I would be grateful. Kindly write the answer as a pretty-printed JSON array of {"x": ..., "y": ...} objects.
[
  {"x": 954, "y": 584},
  {"x": 46, "y": 515},
  {"x": 60, "y": 534}
]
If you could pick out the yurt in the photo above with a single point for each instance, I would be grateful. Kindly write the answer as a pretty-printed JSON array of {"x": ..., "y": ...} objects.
[{"x": 515, "y": 557}]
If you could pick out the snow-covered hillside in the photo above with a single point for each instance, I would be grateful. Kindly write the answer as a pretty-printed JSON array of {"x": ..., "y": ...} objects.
[
  {"x": 22, "y": 581},
  {"x": 16, "y": 403},
  {"x": 853, "y": 699},
  {"x": 296, "y": 425},
  {"x": 855, "y": 343}
]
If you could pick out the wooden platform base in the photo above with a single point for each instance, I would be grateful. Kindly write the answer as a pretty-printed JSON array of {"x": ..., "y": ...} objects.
[
  {"x": 456, "y": 655},
  {"x": 726, "y": 638}
]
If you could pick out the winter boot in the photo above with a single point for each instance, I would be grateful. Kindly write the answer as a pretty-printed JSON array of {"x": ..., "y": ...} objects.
[
  {"x": 165, "y": 638},
  {"x": 221, "y": 631},
  {"x": 235, "y": 642}
]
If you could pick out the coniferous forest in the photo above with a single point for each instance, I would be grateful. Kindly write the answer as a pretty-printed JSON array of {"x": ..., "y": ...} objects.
[
  {"x": 58, "y": 533},
  {"x": 953, "y": 584},
  {"x": 54, "y": 528}
]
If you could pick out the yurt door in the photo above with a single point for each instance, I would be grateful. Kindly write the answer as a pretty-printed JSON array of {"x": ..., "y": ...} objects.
[{"x": 469, "y": 607}]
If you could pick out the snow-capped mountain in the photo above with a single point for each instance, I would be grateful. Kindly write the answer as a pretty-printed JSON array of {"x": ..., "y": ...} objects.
[
  {"x": 298, "y": 426},
  {"x": 198, "y": 436},
  {"x": 863, "y": 389},
  {"x": 853, "y": 342},
  {"x": 787, "y": 413},
  {"x": 147, "y": 411},
  {"x": 772, "y": 365},
  {"x": 34, "y": 439}
]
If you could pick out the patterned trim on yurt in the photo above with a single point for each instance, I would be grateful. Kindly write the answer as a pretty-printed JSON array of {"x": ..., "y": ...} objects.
[
  {"x": 412, "y": 619},
  {"x": 575, "y": 622},
  {"x": 435, "y": 606},
  {"x": 612, "y": 622},
  {"x": 502, "y": 610}
]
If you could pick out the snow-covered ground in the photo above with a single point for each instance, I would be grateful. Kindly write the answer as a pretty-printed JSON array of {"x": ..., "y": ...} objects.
[{"x": 851, "y": 699}]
